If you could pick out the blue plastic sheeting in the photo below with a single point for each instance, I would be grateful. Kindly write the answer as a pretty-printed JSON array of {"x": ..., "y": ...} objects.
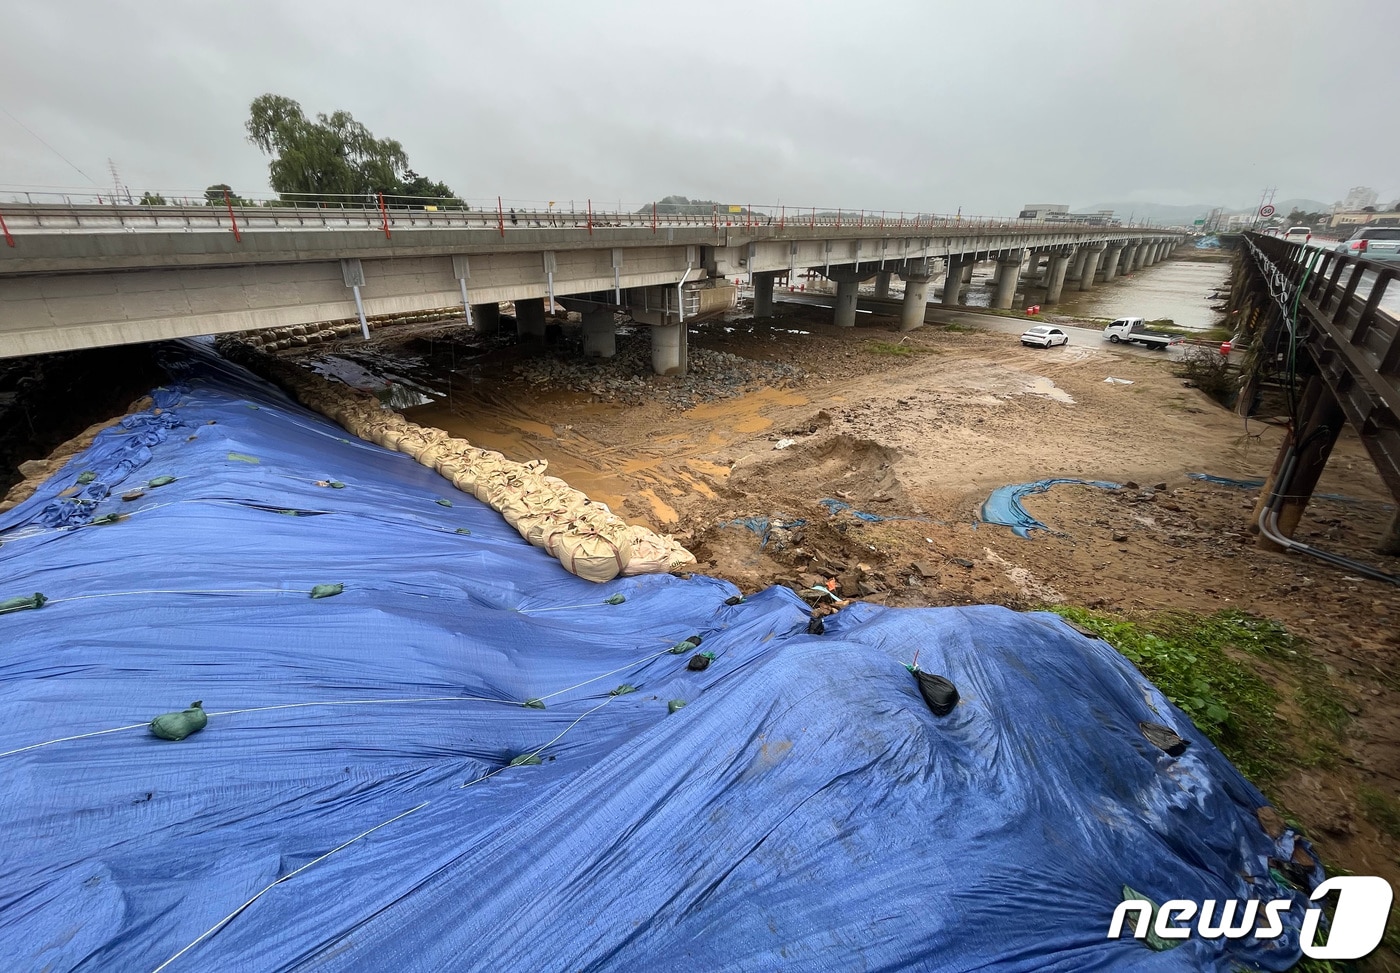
[
  {"x": 764, "y": 526},
  {"x": 1226, "y": 481},
  {"x": 804, "y": 811},
  {"x": 1256, "y": 484},
  {"x": 1004, "y": 505}
]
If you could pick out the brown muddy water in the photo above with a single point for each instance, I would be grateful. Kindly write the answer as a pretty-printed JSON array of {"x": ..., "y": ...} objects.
[{"x": 1179, "y": 290}]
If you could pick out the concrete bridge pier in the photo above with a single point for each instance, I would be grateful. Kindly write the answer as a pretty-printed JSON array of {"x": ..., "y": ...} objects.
[
  {"x": 763, "y": 294},
  {"x": 848, "y": 280},
  {"x": 599, "y": 334},
  {"x": 1055, "y": 277},
  {"x": 882, "y": 285},
  {"x": 1129, "y": 261},
  {"x": 1076, "y": 269},
  {"x": 529, "y": 318},
  {"x": 953, "y": 279},
  {"x": 487, "y": 318},
  {"x": 1142, "y": 251},
  {"x": 1091, "y": 266},
  {"x": 669, "y": 349},
  {"x": 1112, "y": 255},
  {"x": 1008, "y": 276},
  {"x": 1031, "y": 275},
  {"x": 915, "y": 306}
]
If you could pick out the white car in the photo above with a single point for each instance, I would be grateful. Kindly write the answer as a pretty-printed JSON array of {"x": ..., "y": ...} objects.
[
  {"x": 1044, "y": 336},
  {"x": 1298, "y": 234}
]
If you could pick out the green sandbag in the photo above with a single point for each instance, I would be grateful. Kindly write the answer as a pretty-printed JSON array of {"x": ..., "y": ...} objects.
[
  {"x": 674, "y": 705},
  {"x": 36, "y": 600},
  {"x": 623, "y": 690},
  {"x": 161, "y": 481},
  {"x": 533, "y": 704},
  {"x": 1152, "y": 940},
  {"x": 244, "y": 458},
  {"x": 615, "y": 599},
  {"x": 86, "y": 476},
  {"x": 527, "y": 760},
  {"x": 443, "y": 502},
  {"x": 337, "y": 485},
  {"x": 463, "y": 530},
  {"x": 177, "y": 726},
  {"x": 327, "y": 590}
]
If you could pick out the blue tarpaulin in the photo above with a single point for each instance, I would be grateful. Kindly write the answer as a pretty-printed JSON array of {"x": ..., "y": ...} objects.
[
  {"x": 355, "y": 801},
  {"x": 1004, "y": 505}
]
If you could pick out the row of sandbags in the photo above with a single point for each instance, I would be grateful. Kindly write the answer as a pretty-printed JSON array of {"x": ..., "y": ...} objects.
[
  {"x": 302, "y": 335},
  {"x": 587, "y": 538}
]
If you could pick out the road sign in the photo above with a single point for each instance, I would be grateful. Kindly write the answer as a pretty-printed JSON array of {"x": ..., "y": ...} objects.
[
  {"x": 1266, "y": 210},
  {"x": 1199, "y": 223}
]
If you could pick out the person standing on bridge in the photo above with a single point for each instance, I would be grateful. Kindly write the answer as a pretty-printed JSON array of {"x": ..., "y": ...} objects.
[{"x": 513, "y": 220}]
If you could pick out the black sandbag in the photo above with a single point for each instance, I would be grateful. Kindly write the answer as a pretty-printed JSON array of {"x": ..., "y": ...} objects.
[
  {"x": 1164, "y": 738},
  {"x": 939, "y": 693},
  {"x": 177, "y": 726}
]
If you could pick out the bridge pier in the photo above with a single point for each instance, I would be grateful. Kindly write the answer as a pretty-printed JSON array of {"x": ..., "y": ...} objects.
[
  {"x": 763, "y": 294},
  {"x": 1091, "y": 267},
  {"x": 1322, "y": 421},
  {"x": 882, "y": 285},
  {"x": 915, "y": 306},
  {"x": 1112, "y": 255},
  {"x": 669, "y": 349},
  {"x": 1008, "y": 276},
  {"x": 1130, "y": 252},
  {"x": 1076, "y": 267},
  {"x": 1031, "y": 275},
  {"x": 487, "y": 318},
  {"x": 953, "y": 279},
  {"x": 1144, "y": 252},
  {"x": 848, "y": 280},
  {"x": 1055, "y": 278},
  {"x": 529, "y": 318},
  {"x": 599, "y": 334}
]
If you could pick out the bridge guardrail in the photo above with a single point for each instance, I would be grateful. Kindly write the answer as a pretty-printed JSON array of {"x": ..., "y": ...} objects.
[{"x": 52, "y": 210}]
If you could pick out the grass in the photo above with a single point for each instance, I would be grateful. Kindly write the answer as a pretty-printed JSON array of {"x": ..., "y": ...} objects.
[{"x": 1211, "y": 665}]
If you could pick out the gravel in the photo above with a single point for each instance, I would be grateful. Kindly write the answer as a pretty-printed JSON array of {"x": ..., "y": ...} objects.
[{"x": 628, "y": 378}]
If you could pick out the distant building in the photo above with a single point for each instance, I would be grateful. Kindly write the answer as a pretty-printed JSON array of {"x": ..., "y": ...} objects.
[
  {"x": 1358, "y": 199},
  {"x": 1057, "y": 213},
  {"x": 1044, "y": 212},
  {"x": 1344, "y": 220}
]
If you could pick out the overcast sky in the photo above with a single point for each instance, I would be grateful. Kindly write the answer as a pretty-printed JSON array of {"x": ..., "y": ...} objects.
[{"x": 925, "y": 106}]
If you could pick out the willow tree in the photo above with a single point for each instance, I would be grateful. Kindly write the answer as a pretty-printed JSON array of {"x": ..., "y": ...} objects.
[{"x": 331, "y": 157}]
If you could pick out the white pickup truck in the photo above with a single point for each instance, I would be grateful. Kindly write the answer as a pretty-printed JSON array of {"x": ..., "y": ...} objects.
[{"x": 1133, "y": 331}]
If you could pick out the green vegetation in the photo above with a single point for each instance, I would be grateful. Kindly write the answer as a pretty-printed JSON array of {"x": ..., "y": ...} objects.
[
  {"x": 1213, "y": 667},
  {"x": 152, "y": 199},
  {"x": 333, "y": 156}
]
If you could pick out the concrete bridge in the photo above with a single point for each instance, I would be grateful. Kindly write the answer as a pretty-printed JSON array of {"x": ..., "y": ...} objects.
[{"x": 79, "y": 276}]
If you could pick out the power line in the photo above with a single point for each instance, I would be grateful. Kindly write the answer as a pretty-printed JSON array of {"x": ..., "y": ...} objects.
[{"x": 47, "y": 145}]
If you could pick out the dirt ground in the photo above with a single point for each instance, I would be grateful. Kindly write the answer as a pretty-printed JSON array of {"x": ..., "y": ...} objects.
[{"x": 918, "y": 429}]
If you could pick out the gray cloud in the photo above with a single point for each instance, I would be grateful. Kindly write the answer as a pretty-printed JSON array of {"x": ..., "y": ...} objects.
[{"x": 930, "y": 106}]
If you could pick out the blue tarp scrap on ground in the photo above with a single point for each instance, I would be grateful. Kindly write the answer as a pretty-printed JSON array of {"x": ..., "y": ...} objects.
[
  {"x": 1003, "y": 507},
  {"x": 804, "y": 811}
]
